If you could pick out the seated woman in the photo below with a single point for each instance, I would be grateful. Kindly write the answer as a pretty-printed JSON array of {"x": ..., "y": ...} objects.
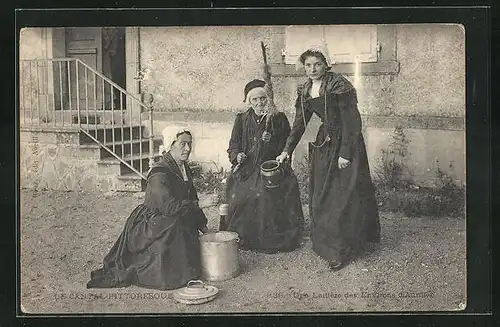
[
  {"x": 267, "y": 220},
  {"x": 159, "y": 246}
]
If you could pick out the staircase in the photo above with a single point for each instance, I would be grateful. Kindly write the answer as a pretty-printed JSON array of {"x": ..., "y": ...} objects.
[
  {"x": 129, "y": 146},
  {"x": 69, "y": 96}
]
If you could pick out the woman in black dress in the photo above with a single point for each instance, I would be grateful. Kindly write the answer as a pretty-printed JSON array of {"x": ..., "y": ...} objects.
[
  {"x": 343, "y": 208},
  {"x": 159, "y": 246},
  {"x": 267, "y": 220}
]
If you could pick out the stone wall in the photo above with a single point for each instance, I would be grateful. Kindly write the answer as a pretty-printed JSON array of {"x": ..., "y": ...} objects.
[
  {"x": 427, "y": 150},
  {"x": 201, "y": 68},
  {"x": 431, "y": 80},
  {"x": 197, "y": 75},
  {"x": 54, "y": 160},
  {"x": 426, "y": 153},
  {"x": 206, "y": 68}
]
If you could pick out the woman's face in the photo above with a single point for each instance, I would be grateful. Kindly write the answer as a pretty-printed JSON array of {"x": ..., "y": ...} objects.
[
  {"x": 181, "y": 149},
  {"x": 258, "y": 103},
  {"x": 315, "y": 67}
]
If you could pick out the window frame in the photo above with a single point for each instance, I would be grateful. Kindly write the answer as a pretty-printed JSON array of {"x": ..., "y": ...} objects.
[
  {"x": 322, "y": 32},
  {"x": 386, "y": 63}
]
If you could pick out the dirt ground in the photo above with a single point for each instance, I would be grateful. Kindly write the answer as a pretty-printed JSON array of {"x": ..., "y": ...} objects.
[{"x": 419, "y": 266}]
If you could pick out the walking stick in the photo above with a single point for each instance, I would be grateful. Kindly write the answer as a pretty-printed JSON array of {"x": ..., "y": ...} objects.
[{"x": 269, "y": 85}]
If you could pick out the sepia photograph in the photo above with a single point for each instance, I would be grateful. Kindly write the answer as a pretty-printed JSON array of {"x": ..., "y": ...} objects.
[{"x": 242, "y": 169}]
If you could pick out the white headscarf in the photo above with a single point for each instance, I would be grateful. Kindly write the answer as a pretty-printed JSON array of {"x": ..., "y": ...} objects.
[
  {"x": 256, "y": 91},
  {"x": 322, "y": 48},
  {"x": 169, "y": 137}
]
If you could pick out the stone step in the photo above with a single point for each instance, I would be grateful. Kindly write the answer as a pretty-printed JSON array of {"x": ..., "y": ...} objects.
[
  {"x": 130, "y": 183},
  {"x": 105, "y": 133},
  {"x": 108, "y": 167},
  {"x": 67, "y": 117},
  {"x": 124, "y": 147},
  {"x": 134, "y": 160},
  {"x": 107, "y": 117}
]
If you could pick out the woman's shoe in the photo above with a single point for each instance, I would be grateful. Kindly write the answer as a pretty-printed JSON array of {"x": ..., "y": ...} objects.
[{"x": 335, "y": 265}]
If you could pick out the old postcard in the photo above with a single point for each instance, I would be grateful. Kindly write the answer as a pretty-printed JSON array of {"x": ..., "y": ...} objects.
[{"x": 226, "y": 169}]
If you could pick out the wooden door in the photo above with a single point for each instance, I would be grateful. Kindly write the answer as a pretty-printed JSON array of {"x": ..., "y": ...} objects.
[{"x": 85, "y": 43}]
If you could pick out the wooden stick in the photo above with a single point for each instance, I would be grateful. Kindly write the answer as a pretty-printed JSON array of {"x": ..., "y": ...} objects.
[{"x": 267, "y": 79}]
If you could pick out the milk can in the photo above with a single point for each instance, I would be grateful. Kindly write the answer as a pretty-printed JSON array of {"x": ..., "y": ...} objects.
[
  {"x": 272, "y": 173},
  {"x": 219, "y": 256}
]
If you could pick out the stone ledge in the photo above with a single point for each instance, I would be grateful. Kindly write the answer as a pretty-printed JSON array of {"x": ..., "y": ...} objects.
[
  {"x": 369, "y": 121},
  {"x": 50, "y": 129},
  {"x": 415, "y": 122},
  {"x": 383, "y": 67}
]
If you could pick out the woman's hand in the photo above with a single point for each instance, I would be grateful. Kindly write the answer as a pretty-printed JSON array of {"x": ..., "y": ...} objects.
[
  {"x": 241, "y": 157},
  {"x": 266, "y": 137},
  {"x": 208, "y": 201},
  {"x": 282, "y": 157},
  {"x": 343, "y": 163}
]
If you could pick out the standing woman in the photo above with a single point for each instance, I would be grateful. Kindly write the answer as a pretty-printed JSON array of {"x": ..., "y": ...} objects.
[
  {"x": 159, "y": 246},
  {"x": 342, "y": 198},
  {"x": 266, "y": 220}
]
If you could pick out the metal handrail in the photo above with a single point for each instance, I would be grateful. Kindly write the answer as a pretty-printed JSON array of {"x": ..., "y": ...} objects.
[
  {"x": 118, "y": 87},
  {"x": 69, "y": 68},
  {"x": 113, "y": 150}
]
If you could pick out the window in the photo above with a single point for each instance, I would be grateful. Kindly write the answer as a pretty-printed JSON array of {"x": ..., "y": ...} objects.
[
  {"x": 345, "y": 43},
  {"x": 369, "y": 48}
]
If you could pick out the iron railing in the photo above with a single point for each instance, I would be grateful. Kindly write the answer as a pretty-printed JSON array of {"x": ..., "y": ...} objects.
[{"x": 68, "y": 93}]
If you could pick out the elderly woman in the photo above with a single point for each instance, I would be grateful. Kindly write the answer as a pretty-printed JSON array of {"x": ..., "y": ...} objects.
[
  {"x": 159, "y": 246},
  {"x": 342, "y": 199},
  {"x": 267, "y": 220}
]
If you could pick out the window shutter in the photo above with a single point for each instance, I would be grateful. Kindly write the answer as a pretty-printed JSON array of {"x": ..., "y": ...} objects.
[
  {"x": 345, "y": 42},
  {"x": 297, "y": 38}
]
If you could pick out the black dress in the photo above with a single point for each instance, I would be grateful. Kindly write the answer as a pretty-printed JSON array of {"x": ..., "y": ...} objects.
[
  {"x": 267, "y": 220},
  {"x": 342, "y": 204},
  {"x": 159, "y": 246}
]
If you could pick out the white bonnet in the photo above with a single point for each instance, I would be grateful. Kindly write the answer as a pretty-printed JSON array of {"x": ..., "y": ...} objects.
[
  {"x": 322, "y": 48},
  {"x": 169, "y": 136}
]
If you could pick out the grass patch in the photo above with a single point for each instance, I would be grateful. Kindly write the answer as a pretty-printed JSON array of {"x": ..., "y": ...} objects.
[
  {"x": 396, "y": 192},
  {"x": 414, "y": 201}
]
